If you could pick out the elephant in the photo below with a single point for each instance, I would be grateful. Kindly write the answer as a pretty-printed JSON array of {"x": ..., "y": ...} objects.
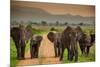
[
  {"x": 69, "y": 41},
  {"x": 55, "y": 38},
  {"x": 19, "y": 37},
  {"x": 34, "y": 46},
  {"x": 85, "y": 42}
]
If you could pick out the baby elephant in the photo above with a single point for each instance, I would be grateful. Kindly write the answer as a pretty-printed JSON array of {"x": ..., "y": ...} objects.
[
  {"x": 55, "y": 37},
  {"x": 34, "y": 46}
]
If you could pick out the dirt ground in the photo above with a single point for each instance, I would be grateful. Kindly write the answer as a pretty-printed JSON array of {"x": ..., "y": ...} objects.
[{"x": 46, "y": 55}]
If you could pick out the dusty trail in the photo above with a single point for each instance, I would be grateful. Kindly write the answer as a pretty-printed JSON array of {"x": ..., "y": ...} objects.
[{"x": 46, "y": 55}]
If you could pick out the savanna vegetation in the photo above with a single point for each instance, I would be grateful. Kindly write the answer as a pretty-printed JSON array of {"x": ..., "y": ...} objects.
[{"x": 43, "y": 29}]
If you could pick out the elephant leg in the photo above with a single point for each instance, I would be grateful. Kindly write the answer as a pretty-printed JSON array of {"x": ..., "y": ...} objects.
[
  {"x": 22, "y": 45},
  {"x": 76, "y": 55},
  {"x": 32, "y": 51},
  {"x": 88, "y": 48},
  {"x": 23, "y": 52},
  {"x": 68, "y": 55},
  {"x": 58, "y": 51},
  {"x": 85, "y": 50},
  {"x": 36, "y": 52},
  {"x": 19, "y": 53},
  {"x": 55, "y": 48},
  {"x": 18, "y": 48},
  {"x": 82, "y": 48},
  {"x": 62, "y": 54}
]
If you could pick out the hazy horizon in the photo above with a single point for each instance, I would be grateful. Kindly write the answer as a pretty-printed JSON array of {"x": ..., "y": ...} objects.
[{"x": 58, "y": 9}]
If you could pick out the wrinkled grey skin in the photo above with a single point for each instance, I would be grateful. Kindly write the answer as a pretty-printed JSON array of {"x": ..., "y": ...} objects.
[
  {"x": 56, "y": 39},
  {"x": 19, "y": 37},
  {"x": 85, "y": 42},
  {"x": 69, "y": 41},
  {"x": 34, "y": 46}
]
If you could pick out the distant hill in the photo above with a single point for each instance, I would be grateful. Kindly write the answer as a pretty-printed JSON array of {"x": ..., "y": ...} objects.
[{"x": 26, "y": 14}]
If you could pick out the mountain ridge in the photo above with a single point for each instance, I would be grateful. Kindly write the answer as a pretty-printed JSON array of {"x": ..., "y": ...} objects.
[{"x": 26, "y": 14}]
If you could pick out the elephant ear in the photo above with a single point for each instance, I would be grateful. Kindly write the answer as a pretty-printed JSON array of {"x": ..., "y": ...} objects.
[
  {"x": 51, "y": 36},
  {"x": 39, "y": 38}
]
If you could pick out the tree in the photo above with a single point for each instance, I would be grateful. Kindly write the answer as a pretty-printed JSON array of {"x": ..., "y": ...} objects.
[
  {"x": 57, "y": 23},
  {"x": 44, "y": 23},
  {"x": 81, "y": 24},
  {"x": 66, "y": 23},
  {"x": 14, "y": 22},
  {"x": 29, "y": 26}
]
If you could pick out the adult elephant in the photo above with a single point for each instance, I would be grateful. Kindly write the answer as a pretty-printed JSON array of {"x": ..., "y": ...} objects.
[
  {"x": 19, "y": 37},
  {"x": 85, "y": 42},
  {"x": 34, "y": 46},
  {"x": 69, "y": 41},
  {"x": 55, "y": 38}
]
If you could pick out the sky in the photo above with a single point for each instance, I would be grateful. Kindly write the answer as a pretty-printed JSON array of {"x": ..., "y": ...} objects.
[{"x": 59, "y": 9}]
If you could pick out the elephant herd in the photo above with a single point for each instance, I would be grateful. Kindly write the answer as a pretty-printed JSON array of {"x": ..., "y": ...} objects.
[
  {"x": 21, "y": 35},
  {"x": 69, "y": 39},
  {"x": 66, "y": 39}
]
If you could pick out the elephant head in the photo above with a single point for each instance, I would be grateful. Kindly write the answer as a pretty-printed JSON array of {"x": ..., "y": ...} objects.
[{"x": 36, "y": 39}]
